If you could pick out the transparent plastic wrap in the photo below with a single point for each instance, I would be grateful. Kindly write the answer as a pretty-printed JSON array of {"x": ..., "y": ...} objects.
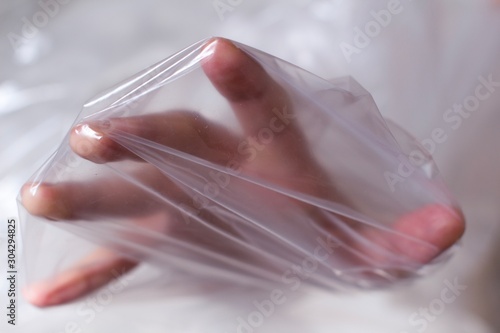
[{"x": 223, "y": 162}]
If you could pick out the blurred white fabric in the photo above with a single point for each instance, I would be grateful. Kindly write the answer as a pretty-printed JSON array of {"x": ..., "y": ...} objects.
[{"x": 428, "y": 58}]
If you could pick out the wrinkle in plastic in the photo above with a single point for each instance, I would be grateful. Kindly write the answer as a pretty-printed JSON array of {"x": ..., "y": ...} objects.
[{"x": 198, "y": 177}]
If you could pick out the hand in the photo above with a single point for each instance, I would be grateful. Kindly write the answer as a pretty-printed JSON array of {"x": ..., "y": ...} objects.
[{"x": 286, "y": 161}]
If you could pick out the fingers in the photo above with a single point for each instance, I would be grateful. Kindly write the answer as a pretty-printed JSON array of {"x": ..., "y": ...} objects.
[
  {"x": 101, "y": 197},
  {"x": 90, "y": 274},
  {"x": 435, "y": 224},
  {"x": 381, "y": 257},
  {"x": 420, "y": 236},
  {"x": 253, "y": 94},
  {"x": 255, "y": 97},
  {"x": 264, "y": 110},
  {"x": 261, "y": 105},
  {"x": 99, "y": 141}
]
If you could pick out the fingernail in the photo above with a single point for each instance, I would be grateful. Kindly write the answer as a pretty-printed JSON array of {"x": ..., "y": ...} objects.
[{"x": 99, "y": 126}]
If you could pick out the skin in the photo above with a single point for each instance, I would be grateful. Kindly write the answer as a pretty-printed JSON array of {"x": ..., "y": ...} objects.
[{"x": 252, "y": 94}]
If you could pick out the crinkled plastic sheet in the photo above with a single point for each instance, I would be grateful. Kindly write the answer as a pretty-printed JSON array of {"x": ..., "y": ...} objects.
[{"x": 223, "y": 162}]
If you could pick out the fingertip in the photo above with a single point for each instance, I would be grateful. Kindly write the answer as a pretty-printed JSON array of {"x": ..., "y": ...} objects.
[
  {"x": 235, "y": 74},
  {"x": 449, "y": 225},
  {"x": 93, "y": 273},
  {"x": 35, "y": 296},
  {"x": 61, "y": 290},
  {"x": 436, "y": 226},
  {"x": 85, "y": 141},
  {"x": 44, "y": 200},
  {"x": 222, "y": 60},
  {"x": 39, "y": 295},
  {"x": 221, "y": 53},
  {"x": 91, "y": 141}
]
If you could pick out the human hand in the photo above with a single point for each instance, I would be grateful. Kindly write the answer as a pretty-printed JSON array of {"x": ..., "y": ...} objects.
[{"x": 286, "y": 161}]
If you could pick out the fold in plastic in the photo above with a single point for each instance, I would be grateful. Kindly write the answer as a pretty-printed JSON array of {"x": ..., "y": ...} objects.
[{"x": 294, "y": 176}]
